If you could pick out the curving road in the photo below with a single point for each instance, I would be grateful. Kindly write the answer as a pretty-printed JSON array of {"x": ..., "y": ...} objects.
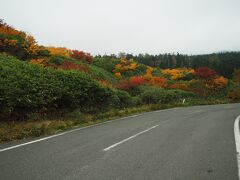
[{"x": 195, "y": 143}]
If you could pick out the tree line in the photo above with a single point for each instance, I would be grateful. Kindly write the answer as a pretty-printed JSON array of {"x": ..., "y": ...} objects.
[{"x": 223, "y": 62}]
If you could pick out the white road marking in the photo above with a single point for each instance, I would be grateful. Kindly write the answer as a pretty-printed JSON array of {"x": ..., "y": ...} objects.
[
  {"x": 194, "y": 112},
  {"x": 31, "y": 142},
  {"x": 70, "y": 131},
  {"x": 162, "y": 110},
  {"x": 60, "y": 134},
  {"x": 237, "y": 141},
  {"x": 133, "y": 116},
  {"x": 131, "y": 137}
]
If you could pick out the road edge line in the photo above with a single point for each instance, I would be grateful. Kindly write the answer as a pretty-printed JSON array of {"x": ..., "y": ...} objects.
[{"x": 237, "y": 142}]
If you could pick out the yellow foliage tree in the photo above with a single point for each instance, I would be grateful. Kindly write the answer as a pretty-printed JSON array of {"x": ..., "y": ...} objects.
[
  {"x": 60, "y": 51},
  {"x": 149, "y": 71},
  {"x": 176, "y": 74},
  {"x": 126, "y": 65}
]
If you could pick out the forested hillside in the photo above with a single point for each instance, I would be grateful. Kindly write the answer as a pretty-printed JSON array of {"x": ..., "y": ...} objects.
[
  {"x": 223, "y": 62},
  {"x": 36, "y": 79}
]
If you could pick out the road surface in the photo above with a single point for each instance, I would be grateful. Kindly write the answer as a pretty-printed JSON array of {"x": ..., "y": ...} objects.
[{"x": 194, "y": 143}]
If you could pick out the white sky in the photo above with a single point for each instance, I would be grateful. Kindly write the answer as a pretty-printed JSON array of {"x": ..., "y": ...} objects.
[{"x": 132, "y": 26}]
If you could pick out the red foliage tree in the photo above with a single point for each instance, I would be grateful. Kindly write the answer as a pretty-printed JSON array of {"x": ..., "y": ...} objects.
[
  {"x": 80, "y": 55},
  {"x": 130, "y": 84},
  {"x": 136, "y": 81},
  {"x": 205, "y": 73}
]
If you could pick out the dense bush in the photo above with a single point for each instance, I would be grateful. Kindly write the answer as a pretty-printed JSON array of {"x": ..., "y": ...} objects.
[
  {"x": 57, "y": 60},
  {"x": 25, "y": 87},
  {"x": 101, "y": 74},
  {"x": 123, "y": 99},
  {"x": 158, "y": 95},
  {"x": 234, "y": 95},
  {"x": 107, "y": 64},
  {"x": 233, "y": 90}
]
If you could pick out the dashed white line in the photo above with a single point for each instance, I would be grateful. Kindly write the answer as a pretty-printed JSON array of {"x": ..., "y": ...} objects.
[
  {"x": 60, "y": 134},
  {"x": 131, "y": 137},
  {"x": 237, "y": 142},
  {"x": 77, "y": 129},
  {"x": 194, "y": 112}
]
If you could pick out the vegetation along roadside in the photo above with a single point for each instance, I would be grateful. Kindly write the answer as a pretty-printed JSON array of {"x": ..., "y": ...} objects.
[{"x": 44, "y": 90}]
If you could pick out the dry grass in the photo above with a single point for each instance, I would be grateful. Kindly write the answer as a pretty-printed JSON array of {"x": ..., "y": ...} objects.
[{"x": 24, "y": 129}]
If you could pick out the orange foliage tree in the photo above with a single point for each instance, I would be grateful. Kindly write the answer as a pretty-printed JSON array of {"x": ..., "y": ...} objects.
[
  {"x": 176, "y": 74},
  {"x": 159, "y": 82},
  {"x": 220, "y": 82},
  {"x": 18, "y": 43}
]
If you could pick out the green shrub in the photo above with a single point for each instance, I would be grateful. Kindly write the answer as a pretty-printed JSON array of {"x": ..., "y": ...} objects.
[
  {"x": 105, "y": 63},
  {"x": 101, "y": 74},
  {"x": 139, "y": 71},
  {"x": 124, "y": 99},
  {"x": 27, "y": 88},
  {"x": 159, "y": 95},
  {"x": 136, "y": 100},
  {"x": 57, "y": 59}
]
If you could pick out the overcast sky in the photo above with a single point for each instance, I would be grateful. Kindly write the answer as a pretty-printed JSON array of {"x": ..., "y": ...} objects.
[{"x": 132, "y": 26}]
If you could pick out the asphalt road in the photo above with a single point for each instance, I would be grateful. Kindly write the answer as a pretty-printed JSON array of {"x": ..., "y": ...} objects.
[{"x": 195, "y": 143}]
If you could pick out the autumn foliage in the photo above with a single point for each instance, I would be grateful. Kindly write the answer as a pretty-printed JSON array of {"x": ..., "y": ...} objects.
[
  {"x": 176, "y": 74},
  {"x": 80, "y": 55},
  {"x": 18, "y": 43},
  {"x": 149, "y": 71},
  {"x": 59, "y": 51},
  {"x": 137, "y": 81},
  {"x": 159, "y": 82},
  {"x": 68, "y": 65},
  {"x": 220, "y": 82},
  {"x": 182, "y": 86},
  {"x": 126, "y": 65},
  {"x": 55, "y": 77},
  {"x": 205, "y": 73}
]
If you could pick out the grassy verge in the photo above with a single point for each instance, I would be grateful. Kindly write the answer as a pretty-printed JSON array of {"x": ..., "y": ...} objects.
[{"x": 19, "y": 130}]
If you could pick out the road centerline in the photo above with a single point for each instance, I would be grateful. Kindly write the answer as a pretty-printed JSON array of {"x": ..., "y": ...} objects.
[{"x": 129, "y": 138}]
